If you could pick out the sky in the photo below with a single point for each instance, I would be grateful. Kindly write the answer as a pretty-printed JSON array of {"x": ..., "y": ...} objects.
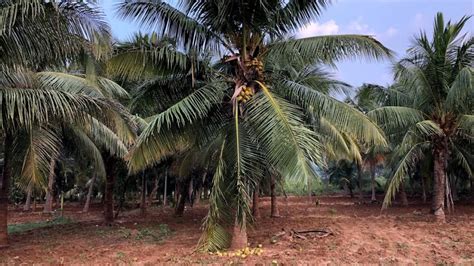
[{"x": 392, "y": 22}]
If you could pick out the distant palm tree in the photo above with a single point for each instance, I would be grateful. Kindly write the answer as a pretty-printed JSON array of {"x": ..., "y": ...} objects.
[
  {"x": 434, "y": 114},
  {"x": 255, "y": 119}
]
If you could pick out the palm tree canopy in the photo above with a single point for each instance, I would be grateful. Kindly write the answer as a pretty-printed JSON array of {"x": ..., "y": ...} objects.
[
  {"x": 252, "y": 109},
  {"x": 434, "y": 98}
]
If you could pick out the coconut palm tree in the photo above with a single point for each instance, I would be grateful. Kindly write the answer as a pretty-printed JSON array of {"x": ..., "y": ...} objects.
[
  {"x": 31, "y": 39},
  {"x": 435, "y": 111},
  {"x": 254, "y": 118}
]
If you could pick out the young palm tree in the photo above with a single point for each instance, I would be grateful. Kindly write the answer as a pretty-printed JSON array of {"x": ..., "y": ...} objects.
[
  {"x": 255, "y": 119},
  {"x": 435, "y": 110}
]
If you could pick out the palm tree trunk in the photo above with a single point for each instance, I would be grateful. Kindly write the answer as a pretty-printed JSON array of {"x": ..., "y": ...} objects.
[
  {"x": 274, "y": 204},
  {"x": 239, "y": 236},
  {"x": 190, "y": 192},
  {"x": 89, "y": 195},
  {"x": 348, "y": 188},
  {"x": 165, "y": 192},
  {"x": 359, "y": 181},
  {"x": 176, "y": 192},
  {"x": 29, "y": 191},
  {"x": 256, "y": 199},
  {"x": 197, "y": 195},
  {"x": 48, "y": 205},
  {"x": 199, "y": 190},
  {"x": 5, "y": 186},
  {"x": 182, "y": 196},
  {"x": 372, "y": 178},
  {"x": 439, "y": 183},
  {"x": 423, "y": 187},
  {"x": 154, "y": 191},
  {"x": 403, "y": 194},
  {"x": 143, "y": 196},
  {"x": 454, "y": 189},
  {"x": 109, "y": 192}
]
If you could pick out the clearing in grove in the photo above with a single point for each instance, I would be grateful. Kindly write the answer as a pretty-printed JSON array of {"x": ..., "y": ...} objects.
[{"x": 348, "y": 232}]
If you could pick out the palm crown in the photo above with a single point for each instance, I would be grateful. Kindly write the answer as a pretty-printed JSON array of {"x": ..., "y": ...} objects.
[{"x": 252, "y": 111}]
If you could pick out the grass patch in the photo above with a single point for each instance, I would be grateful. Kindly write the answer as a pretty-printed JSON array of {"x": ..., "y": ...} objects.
[
  {"x": 20, "y": 228},
  {"x": 154, "y": 234}
]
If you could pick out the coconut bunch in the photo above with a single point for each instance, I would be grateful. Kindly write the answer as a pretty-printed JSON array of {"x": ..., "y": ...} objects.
[
  {"x": 256, "y": 66},
  {"x": 245, "y": 94}
]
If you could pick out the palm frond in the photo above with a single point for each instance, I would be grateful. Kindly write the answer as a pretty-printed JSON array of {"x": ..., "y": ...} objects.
[
  {"x": 146, "y": 56},
  {"x": 42, "y": 145},
  {"x": 104, "y": 137},
  {"x": 170, "y": 21},
  {"x": 163, "y": 134},
  {"x": 215, "y": 236},
  {"x": 461, "y": 93},
  {"x": 340, "y": 114},
  {"x": 86, "y": 147},
  {"x": 288, "y": 144},
  {"x": 297, "y": 13},
  {"x": 464, "y": 159},
  {"x": 396, "y": 117},
  {"x": 329, "y": 49},
  {"x": 402, "y": 171},
  {"x": 81, "y": 84}
]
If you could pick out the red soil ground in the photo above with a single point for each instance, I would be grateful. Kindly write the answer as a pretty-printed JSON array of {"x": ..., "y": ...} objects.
[{"x": 362, "y": 234}]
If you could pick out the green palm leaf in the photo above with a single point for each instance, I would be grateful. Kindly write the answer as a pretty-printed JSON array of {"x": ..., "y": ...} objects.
[
  {"x": 329, "y": 49},
  {"x": 163, "y": 135},
  {"x": 289, "y": 146}
]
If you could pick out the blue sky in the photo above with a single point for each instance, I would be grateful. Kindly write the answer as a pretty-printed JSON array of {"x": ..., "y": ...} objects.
[{"x": 393, "y": 22}]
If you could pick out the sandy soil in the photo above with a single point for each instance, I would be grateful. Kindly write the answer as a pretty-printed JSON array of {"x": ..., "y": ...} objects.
[{"x": 361, "y": 234}]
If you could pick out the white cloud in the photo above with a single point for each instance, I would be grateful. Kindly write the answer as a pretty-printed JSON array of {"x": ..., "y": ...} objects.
[
  {"x": 358, "y": 26},
  {"x": 313, "y": 29},
  {"x": 391, "y": 31},
  {"x": 331, "y": 27}
]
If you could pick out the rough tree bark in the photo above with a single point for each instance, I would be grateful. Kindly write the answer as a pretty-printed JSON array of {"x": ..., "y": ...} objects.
[
  {"x": 239, "y": 236},
  {"x": 454, "y": 188},
  {"x": 182, "y": 196},
  {"x": 29, "y": 192},
  {"x": 256, "y": 199},
  {"x": 274, "y": 204},
  {"x": 109, "y": 191},
  {"x": 439, "y": 184},
  {"x": 403, "y": 194},
  {"x": 154, "y": 191},
  {"x": 143, "y": 196},
  {"x": 176, "y": 192},
  {"x": 48, "y": 205},
  {"x": 89, "y": 195},
  {"x": 5, "y": 187}
]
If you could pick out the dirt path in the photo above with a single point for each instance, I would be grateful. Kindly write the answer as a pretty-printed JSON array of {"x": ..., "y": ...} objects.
[{"x": 401, "y": 235}]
